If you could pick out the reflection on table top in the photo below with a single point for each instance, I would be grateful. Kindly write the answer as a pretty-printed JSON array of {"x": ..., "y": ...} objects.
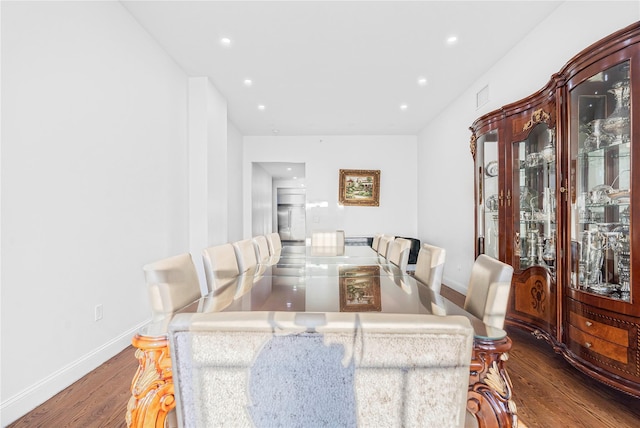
[{"x": 303, "y": 279}]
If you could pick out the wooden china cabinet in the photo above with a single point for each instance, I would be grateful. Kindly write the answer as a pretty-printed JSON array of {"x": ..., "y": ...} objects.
[{"x": 554, "y": 175}]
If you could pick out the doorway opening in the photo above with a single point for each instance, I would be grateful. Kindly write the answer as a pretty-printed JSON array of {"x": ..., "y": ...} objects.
[
  {"x": 279, "y": 206},
  {"x": 291, "y": 214}
]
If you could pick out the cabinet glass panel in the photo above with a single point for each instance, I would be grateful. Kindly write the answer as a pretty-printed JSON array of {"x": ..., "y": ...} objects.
[
  {"x": 600, "y": 168},
  {"x": 488, "y": 192},
  {"x": 534, "y": 203}
]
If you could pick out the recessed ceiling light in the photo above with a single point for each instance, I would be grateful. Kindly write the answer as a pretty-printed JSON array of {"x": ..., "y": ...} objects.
[
  {"x": 295, "y": 178},
  {"x": 289, "y": 169},
  {"x": 452, "y": 40},
  {"x": 261, "y": 107},
  {"x": 403, "y": 107},
  {"x": 225, "y": 41},
  {"x": 248, "y": 82},
  {"x": 422, "y": 81}
]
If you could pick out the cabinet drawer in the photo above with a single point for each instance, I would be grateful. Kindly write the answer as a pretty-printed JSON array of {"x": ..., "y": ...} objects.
[
  {"x": 598, "y": 345},
  {"x": 606, "y": 332}
]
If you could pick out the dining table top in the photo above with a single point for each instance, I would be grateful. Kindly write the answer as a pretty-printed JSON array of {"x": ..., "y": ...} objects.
[{"x": 324, "y": 279}]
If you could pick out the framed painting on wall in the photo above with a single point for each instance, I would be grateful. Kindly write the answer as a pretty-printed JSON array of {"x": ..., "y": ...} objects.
[{"x": 360, "y": 187}]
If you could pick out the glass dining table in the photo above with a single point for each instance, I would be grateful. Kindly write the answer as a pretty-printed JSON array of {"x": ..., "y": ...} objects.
[{"x": 324, "y": 279}]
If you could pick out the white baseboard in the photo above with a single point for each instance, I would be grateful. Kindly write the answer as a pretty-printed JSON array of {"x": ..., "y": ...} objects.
[{"x": 31, "y": 397}]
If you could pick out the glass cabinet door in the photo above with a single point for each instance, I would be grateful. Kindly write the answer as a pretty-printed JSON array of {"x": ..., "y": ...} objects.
[
  {"x": 487, "y": 215},
  {"x": 600, "y": 154},
  {"x": 534, "y": 203}
]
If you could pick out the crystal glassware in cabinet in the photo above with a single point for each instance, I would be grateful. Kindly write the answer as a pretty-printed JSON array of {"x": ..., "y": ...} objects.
[
  {"x": 535, "y": 182},
  {"x": 601, "y": 174}
]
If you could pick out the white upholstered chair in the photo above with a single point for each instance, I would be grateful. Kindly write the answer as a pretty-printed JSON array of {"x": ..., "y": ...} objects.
[
  {"x": 262, "y": 248},
  {"x": 340, "y": 238},
  {"x": 172, "y": 283},
  {"x": 383, "y": 245},
  {"x": 220, "y": 265},
  {"x": 240, "y": 368},
  {"x": 245, "y": 254},
  {"x": 430, "y": 265},
  {"x": 488, "y": 292},
  {"x": 376, "y": 241},
  {"x": 275, "y": 244},
  {"x": 324, "y": 239},
  {"x": 398, "y": 252}
]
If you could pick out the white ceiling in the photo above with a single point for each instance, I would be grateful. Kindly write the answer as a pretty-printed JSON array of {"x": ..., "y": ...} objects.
[
  {"x": 338, "y": 67},
  {"x": 285, "y": 170}
]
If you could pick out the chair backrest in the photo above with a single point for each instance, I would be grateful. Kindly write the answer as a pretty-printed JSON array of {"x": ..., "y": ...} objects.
[
  {"x": 324, "y": 239},
  {"x": 245, "y": 254},
  {"x": 220, "y": 265},
  {"x": 172, "y": 283},
  {"x": 239, "y": 368},
  {"x": 340, "y": 238},
  {"x": 398, "y": 252},
  {"x": 430, "y": 266},
  {"x": 488, "y": 293},
  {"x": 383, "y": 245},
  {"x": 376, "y": 241},
  {"x": 262, "y": 248},
  {"x": 275, "y": 244}
]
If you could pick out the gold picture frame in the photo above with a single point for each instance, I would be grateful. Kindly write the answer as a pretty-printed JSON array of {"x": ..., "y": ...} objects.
[
  {"x": 359, "y": 187},
  {"x": 360, "y": 289}
]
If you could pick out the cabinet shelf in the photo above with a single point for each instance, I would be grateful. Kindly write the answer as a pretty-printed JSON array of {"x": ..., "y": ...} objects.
[
  {"x": 538, "y": 166},
  {"x": 604, "y": 151}
]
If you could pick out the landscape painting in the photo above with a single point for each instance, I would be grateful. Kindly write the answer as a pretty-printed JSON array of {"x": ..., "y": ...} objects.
[
  {"x": 360, "y": 289},
  {"x": 359, "y": 187}
]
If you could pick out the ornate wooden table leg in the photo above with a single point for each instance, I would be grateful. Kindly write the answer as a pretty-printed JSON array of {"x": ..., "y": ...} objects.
[
  {"x": 490, "y": 395},
  {"x": 152, "y": 386}
]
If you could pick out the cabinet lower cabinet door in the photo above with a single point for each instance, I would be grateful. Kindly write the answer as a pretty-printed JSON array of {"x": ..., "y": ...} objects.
[
  {"x": 604, "y": 339},
  {"x": 533, "y": 299}
]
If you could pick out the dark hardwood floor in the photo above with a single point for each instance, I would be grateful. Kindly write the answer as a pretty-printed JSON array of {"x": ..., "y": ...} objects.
[
  {"x": 549, "y": 392},
  {"x": 99, "y": 399}
]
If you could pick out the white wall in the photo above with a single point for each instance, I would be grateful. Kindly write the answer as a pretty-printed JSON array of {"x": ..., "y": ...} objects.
[
  {"x": 208, "y": 178},
  {"x": 234, "y": 181},
  {"x": 198, "y": 147},
  {"x": 446, "y": 165},
  {"x": 261, "y": 201},
  {"x": 324, "y": 156},
  {"x": 94, "y": 185},
  {"x": 217, "y": 167}
]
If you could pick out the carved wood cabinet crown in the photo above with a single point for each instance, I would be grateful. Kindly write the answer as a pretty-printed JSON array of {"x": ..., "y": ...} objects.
[{"x": 554, "y": 174}]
